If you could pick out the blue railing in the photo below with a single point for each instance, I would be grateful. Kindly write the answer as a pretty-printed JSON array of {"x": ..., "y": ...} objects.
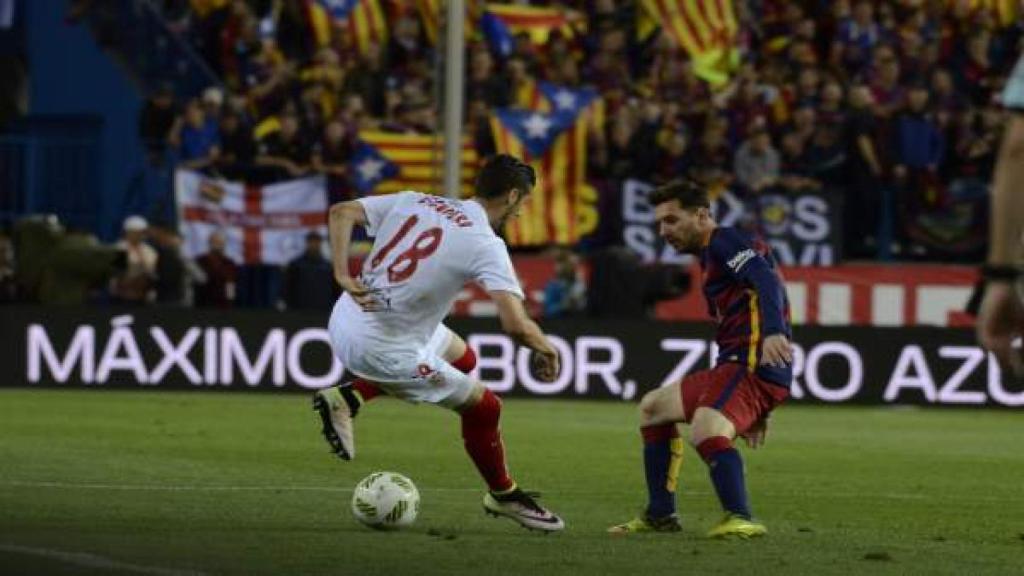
[{"x": 50, "y": 174}]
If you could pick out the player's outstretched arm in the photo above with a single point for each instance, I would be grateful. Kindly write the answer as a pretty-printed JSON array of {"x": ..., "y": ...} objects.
[
  {"x": 342, "y": 218},
  {"x": 517, "y": 324}
]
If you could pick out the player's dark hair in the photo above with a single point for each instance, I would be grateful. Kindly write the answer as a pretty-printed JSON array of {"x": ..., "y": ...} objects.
[
  {"x": 502, "y": 173},
  {"x": 690, "y": 194}
]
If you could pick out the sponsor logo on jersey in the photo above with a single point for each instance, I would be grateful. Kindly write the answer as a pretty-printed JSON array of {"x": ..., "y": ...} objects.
[{"x": 740, "y": 259}]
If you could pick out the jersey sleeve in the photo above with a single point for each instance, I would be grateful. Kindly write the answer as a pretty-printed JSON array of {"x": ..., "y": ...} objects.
[
  {"x": 1013, "y": 93},
  {"x": 492, "y": 268},
  {"x": 377, "y": 209},
  {"x": 734, "y": 253}
]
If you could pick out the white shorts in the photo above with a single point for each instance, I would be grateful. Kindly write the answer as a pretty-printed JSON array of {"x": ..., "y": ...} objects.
[{"x": 415, "y": 375}]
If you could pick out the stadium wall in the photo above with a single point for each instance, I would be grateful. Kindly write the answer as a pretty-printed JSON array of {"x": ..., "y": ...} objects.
[{"x": 163, "y": 348}]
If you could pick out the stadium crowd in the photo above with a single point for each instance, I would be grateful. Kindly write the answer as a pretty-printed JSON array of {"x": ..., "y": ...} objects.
[
  {"x": 892, "y": 103},
  {"x": 856, "y": 96}
]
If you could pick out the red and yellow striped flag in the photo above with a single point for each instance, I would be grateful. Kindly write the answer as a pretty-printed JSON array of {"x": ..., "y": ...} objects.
[
  {"x": 562, "y": 207},
  {"x": 706, "y": 29},
  {"x": 385, "y": 162},
  {"x": 365, "y": 21}
]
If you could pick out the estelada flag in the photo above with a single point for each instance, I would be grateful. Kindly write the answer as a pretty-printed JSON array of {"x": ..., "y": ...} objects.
[
  {"x": 384, "y": 162},
  {"x": 365, "y": 20},
  {"x": 560, "y": 209}
]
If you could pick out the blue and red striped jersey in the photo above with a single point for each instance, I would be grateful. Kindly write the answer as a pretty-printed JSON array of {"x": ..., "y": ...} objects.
[{"x": 747, "y": 298}]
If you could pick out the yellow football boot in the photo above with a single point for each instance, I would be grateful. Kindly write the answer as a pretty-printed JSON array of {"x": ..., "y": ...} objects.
[
  {"x": 645, "y": 524},
  {"x": 738, "y": 526}
]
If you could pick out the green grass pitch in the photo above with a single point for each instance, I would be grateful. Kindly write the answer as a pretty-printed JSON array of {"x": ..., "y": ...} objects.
[{"x": 217, "y": 483}]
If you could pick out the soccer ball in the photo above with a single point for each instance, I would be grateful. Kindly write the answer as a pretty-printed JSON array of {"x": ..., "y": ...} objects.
[{"x": 386, "y": 500}]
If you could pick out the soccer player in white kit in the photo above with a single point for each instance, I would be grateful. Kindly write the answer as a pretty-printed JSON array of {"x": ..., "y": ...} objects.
[{"x": 386, "y": 328}]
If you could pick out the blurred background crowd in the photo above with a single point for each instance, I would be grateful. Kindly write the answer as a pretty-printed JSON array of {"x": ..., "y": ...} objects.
[{"x": 891, "y": 103}]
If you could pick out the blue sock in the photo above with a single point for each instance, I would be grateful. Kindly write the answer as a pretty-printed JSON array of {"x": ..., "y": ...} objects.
[
  {"x": 663, "y": 451},
  {"x": 726, "y": 468}
]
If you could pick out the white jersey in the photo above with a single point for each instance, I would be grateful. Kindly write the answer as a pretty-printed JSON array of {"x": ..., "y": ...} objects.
[{"x": 426, "y": 248}]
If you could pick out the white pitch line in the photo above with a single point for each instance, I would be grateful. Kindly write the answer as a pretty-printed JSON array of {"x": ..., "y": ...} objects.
[
  {"x": 196, "y": 487},
  {"x": 93, "y": 561},
  {"x": 684, "y": 492}
]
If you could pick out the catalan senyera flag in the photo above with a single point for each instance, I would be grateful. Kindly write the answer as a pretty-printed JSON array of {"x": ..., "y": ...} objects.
[
  {"x": 365, "y": 19},
  {"x": 501, "y": 22},
  {"x": 561, "y": 208},
  {"x": 385, "y": 162},
  {"x": 706, "y": 29}
]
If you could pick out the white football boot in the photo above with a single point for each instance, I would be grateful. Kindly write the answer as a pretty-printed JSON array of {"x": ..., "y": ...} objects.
[
  {"x": 337, "y": 406},
  {"x": 523, "y": 508}
]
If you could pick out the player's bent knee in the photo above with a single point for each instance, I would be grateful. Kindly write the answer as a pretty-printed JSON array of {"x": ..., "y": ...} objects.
[
  {"x": 709, "y": 447},
  {"x": 648, "y": 407},
  {"x": 709, "y": 423}
]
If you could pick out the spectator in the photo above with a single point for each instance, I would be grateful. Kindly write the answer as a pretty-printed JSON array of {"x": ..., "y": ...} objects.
[
  {"x": 156, "y": 119},
  {"x": 864, "y": 172},
  {"x": 196, "y": 137},
  {"x": 172, "y": 285},
  {"x": 238, "y": 148},
  {"x": 309, "y": 279},
  {"x": 826, "y": 154},
  {"x": 331, "y": 156},
  {"x": 919, "y": 144},
  {"x": 286, "y": 152},
  {"x": 483, "y": 83},
  {"x": 857, "y": 36},
  {"x": 215, "y": 287},
  {"x": 368, "y": 79},
  {"x": 795, "y": 172},
  {"x": 566, "y": 293},
  {"x": 712, "y": 160},
  {"x": 135, "y": 284},
  {"x": 886, "y": 89},
  {"x": 919, "y": 147},
  {"x": 757, "y": 162}
]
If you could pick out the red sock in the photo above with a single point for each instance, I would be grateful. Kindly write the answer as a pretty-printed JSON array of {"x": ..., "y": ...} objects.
[
  {"x": 366, "y": 390},
  {"x": 467, "y": 362},
  {"x": 483, "y": 441}
]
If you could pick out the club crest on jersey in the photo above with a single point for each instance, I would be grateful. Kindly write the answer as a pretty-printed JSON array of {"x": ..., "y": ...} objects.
[
  {"x": 433, "y": 377},
  {"x": 740, "y": 259}
]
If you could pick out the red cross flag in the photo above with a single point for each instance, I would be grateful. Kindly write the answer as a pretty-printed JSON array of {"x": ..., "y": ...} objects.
[{"x": 262, "y": 224}]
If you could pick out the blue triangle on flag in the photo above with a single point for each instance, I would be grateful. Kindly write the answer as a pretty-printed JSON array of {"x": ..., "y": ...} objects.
[
  {"x": 536, "y": 130},
  {"x": 498, "y": 36},
  {"x": 566, "y": 100},
  {"x": 369, "y": 167},
  {"x": 338, "y": 9}
]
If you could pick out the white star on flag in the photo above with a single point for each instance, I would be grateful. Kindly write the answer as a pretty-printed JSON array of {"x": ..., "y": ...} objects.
[
  {"x": 537, "y": 126},
  {"x": 565, "y": 100},
  {"x": 370, "y": 169}
]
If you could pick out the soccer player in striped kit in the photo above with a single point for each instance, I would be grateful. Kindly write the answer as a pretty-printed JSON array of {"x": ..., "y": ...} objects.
[{"x": 747, "y": 299}]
